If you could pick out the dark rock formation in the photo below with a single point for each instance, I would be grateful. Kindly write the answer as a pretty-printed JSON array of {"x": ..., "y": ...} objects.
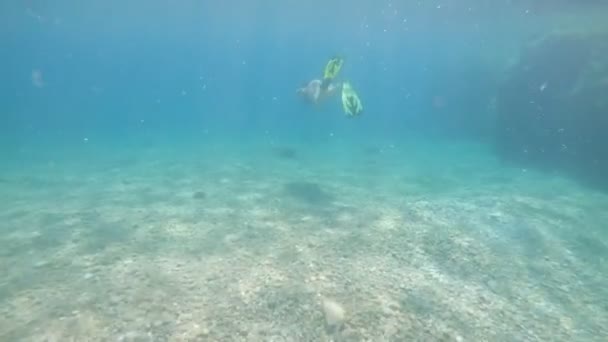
[{"x": 552, "y": 109}]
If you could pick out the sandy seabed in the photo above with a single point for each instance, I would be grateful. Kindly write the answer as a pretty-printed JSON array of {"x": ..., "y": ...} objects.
[{"x": 248, "y": 246}]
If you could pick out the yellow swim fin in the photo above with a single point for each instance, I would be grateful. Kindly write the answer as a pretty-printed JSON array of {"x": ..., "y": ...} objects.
[
  {"x": 331, "y": 70},
  {"x": 350, "y": 101}
]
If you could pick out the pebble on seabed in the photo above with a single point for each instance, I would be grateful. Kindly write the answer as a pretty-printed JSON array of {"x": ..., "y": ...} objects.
[{"x": 334, "y": 314}]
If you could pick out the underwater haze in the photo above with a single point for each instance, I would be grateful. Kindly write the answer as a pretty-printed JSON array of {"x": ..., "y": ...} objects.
[{"x": 202, "y": 170}]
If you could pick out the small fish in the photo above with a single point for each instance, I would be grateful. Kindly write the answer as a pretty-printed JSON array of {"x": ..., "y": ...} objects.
[{"x": 543, "y": 86}]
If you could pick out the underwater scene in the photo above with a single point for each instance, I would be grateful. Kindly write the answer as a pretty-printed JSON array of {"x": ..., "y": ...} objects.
[{"x": 336, "y": 171}]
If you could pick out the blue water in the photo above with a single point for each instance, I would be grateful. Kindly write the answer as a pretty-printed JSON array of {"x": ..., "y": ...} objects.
[{"x": 160, "y": 179}]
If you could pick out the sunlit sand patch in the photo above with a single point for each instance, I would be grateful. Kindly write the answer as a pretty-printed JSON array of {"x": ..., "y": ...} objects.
[
  {"x": 258, "y": 278},
  {"x": 390, "y": 220},
  {"x": 78, "y": 325},
  {"x": 65, "y": 254},
  {"x": 423, "y": 209},
  {"x": 23, "y": 235},
  {"x": 263, "y": 214},
  {"x": 176, "y": 229},
  {"x": 342, "y": 218},
  {"x": 458, "y": 297},
  {"x": 250, "y": 197},
  {"x": 42, "y": 307},
  {"x": 306, "y": 218},
  {"x": 231, "y": 239},
  {"x": 274, "y": 222},
  {"x": 464, "y": 242},
  {"x": 221, "y": 211},
  {"x": 25, "y": 304}
]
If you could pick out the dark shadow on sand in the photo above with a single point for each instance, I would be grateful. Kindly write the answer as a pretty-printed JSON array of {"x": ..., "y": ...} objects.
[
  {"x": 49, "y": 233},
  {"x": 525, "y": 236},
  {"x": 588, "y": 248},
  {"x": 97, "y": 233},
  {"x": 286, "y": 153},
  {"x": 308, "y": 193}
]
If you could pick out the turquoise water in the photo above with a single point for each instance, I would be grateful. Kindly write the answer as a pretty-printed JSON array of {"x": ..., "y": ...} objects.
[{"x": 161, "y": 181}]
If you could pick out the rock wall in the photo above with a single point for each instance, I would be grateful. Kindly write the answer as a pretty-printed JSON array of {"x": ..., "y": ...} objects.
[{"x": 552, "y": 107}]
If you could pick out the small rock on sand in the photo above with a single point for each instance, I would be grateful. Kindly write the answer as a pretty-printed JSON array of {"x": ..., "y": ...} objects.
[{"x": 334, "y": 314}]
